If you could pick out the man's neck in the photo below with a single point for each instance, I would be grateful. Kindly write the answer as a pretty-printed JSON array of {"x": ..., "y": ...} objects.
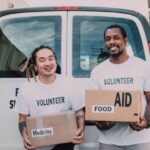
[
  {"x": 119, "y": 60},
  {"x": 47, "y": 79}
]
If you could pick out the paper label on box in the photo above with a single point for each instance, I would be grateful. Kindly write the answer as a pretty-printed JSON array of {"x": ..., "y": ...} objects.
[
  {"x": 102, "y": 109},
  {"x": 41, "y": 132}
]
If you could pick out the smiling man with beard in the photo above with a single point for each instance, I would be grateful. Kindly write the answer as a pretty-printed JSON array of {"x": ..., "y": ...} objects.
[
  {"x": 48, "y": 93},
  {"x": 135, "y": 73}
]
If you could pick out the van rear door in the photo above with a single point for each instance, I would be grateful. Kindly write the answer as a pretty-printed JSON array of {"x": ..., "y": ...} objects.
[
  {"x": 20, "y": 33},
  {"x": 86, "y": 49}
]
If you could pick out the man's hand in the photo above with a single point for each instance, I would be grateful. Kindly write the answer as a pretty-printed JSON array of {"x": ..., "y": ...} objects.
[
  {"x": 104, "y": 125},
  {"x": 138, "y": 126},
  {"x": 26, "y": 141},
  {"x": 79, "y": 136}
]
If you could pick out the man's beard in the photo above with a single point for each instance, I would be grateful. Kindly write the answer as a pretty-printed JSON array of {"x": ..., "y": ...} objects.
[{"x": 115, "y": 55}]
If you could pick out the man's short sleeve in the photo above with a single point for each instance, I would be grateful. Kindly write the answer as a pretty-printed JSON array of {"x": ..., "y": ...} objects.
[
  {"x": 77, "y": 97},
  {"x": 93, "y": 81},
  {"x": 21, "y": 103},
  {"x": 147, "y": 79}
]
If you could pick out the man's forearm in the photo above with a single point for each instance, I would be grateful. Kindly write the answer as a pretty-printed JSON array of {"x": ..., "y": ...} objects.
[
  {"x": 147, "y": 110},
  {"x": 80, "y": 118},
  {"x": 22, "y": 122},
  {"x": 22, "y": 125}
]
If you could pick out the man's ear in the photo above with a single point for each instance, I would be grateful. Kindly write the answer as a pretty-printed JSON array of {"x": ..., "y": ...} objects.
[
  {"x": 126, "y": 41},
  {"x": 35, "y": 68}
]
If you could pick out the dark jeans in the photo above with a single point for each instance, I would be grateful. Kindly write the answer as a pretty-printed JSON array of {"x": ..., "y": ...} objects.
[{"x": 66, "y": 146}]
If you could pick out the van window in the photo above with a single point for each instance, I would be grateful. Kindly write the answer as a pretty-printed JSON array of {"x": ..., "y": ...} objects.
[
  {"x": 20, "y": 36},
  {"x": 88, "y": 43}
]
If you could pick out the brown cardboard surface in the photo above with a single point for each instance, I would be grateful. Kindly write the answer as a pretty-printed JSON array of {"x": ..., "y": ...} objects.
[
  {"x": 120, "y": 106},
  {"x": 51, "y": 129}
]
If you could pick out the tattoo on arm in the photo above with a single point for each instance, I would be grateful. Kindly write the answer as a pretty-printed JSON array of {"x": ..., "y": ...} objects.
[
  {"x": 80, "y": 117},
  {"x": 80, "y": 120},
  {"x": 22, "y": 125},
  {"x": 147, "y": 111}
]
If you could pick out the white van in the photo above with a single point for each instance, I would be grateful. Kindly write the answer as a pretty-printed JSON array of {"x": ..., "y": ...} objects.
[{"x": 74, "y": 29}]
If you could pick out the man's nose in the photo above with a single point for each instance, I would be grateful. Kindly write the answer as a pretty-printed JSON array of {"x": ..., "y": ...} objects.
[
  {"x": 112, "y": 40},
  {"x": 47, "y": 62}
]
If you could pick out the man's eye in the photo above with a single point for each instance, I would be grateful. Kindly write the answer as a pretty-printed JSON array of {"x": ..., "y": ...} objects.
[
  {"x": 51, "y": 58},
  {"x": 41, "y": 60},
  {"x": 107, "y": 39},
  {"x": 117, "y": 38}
]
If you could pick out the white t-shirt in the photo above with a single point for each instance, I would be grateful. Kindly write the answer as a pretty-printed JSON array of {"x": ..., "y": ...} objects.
[
  {"x": 134, "y": 74},
  {"x": 36, "y": 98}
]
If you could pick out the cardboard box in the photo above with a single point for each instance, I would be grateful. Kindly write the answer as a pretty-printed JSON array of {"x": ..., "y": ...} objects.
[
  {"x": 120, "y": 106},
  {"x": 51, "y": 129}
]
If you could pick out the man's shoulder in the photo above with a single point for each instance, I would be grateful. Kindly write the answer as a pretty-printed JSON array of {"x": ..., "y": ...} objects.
[
  {"x": 61, "y": 78},
  {"x": 101, "y": 65},
  {"x": 140, "y": 65},
  {"x": 28, "y": 84},
  {"x": 64, "y": 79},
  {"x": 138, "y": 60}
]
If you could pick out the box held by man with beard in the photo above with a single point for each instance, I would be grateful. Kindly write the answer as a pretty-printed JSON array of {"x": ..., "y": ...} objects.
[
  {"x": 51, "y": 129},
  {"x": 111, "y": 105}
]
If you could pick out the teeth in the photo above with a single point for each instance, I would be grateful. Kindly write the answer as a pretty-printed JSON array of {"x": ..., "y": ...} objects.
[
  {"x": 114, "y": 48},
  {"x": 48, "y": 68}
]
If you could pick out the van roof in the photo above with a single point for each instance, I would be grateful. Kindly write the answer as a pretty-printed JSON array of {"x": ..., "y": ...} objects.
[
  {"x": 125, "y": 4},
  {"x": 100, "y": 9}
]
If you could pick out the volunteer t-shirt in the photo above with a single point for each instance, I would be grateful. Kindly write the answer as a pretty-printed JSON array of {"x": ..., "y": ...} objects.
[
  {"x": 134, "y": 74},
  {"x": 36, "y": 98}
]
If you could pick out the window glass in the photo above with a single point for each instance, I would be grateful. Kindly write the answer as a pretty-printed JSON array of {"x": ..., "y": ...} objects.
[
  {"x": 88, "y": 42},
  {"x": 20, "y": 36}
]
